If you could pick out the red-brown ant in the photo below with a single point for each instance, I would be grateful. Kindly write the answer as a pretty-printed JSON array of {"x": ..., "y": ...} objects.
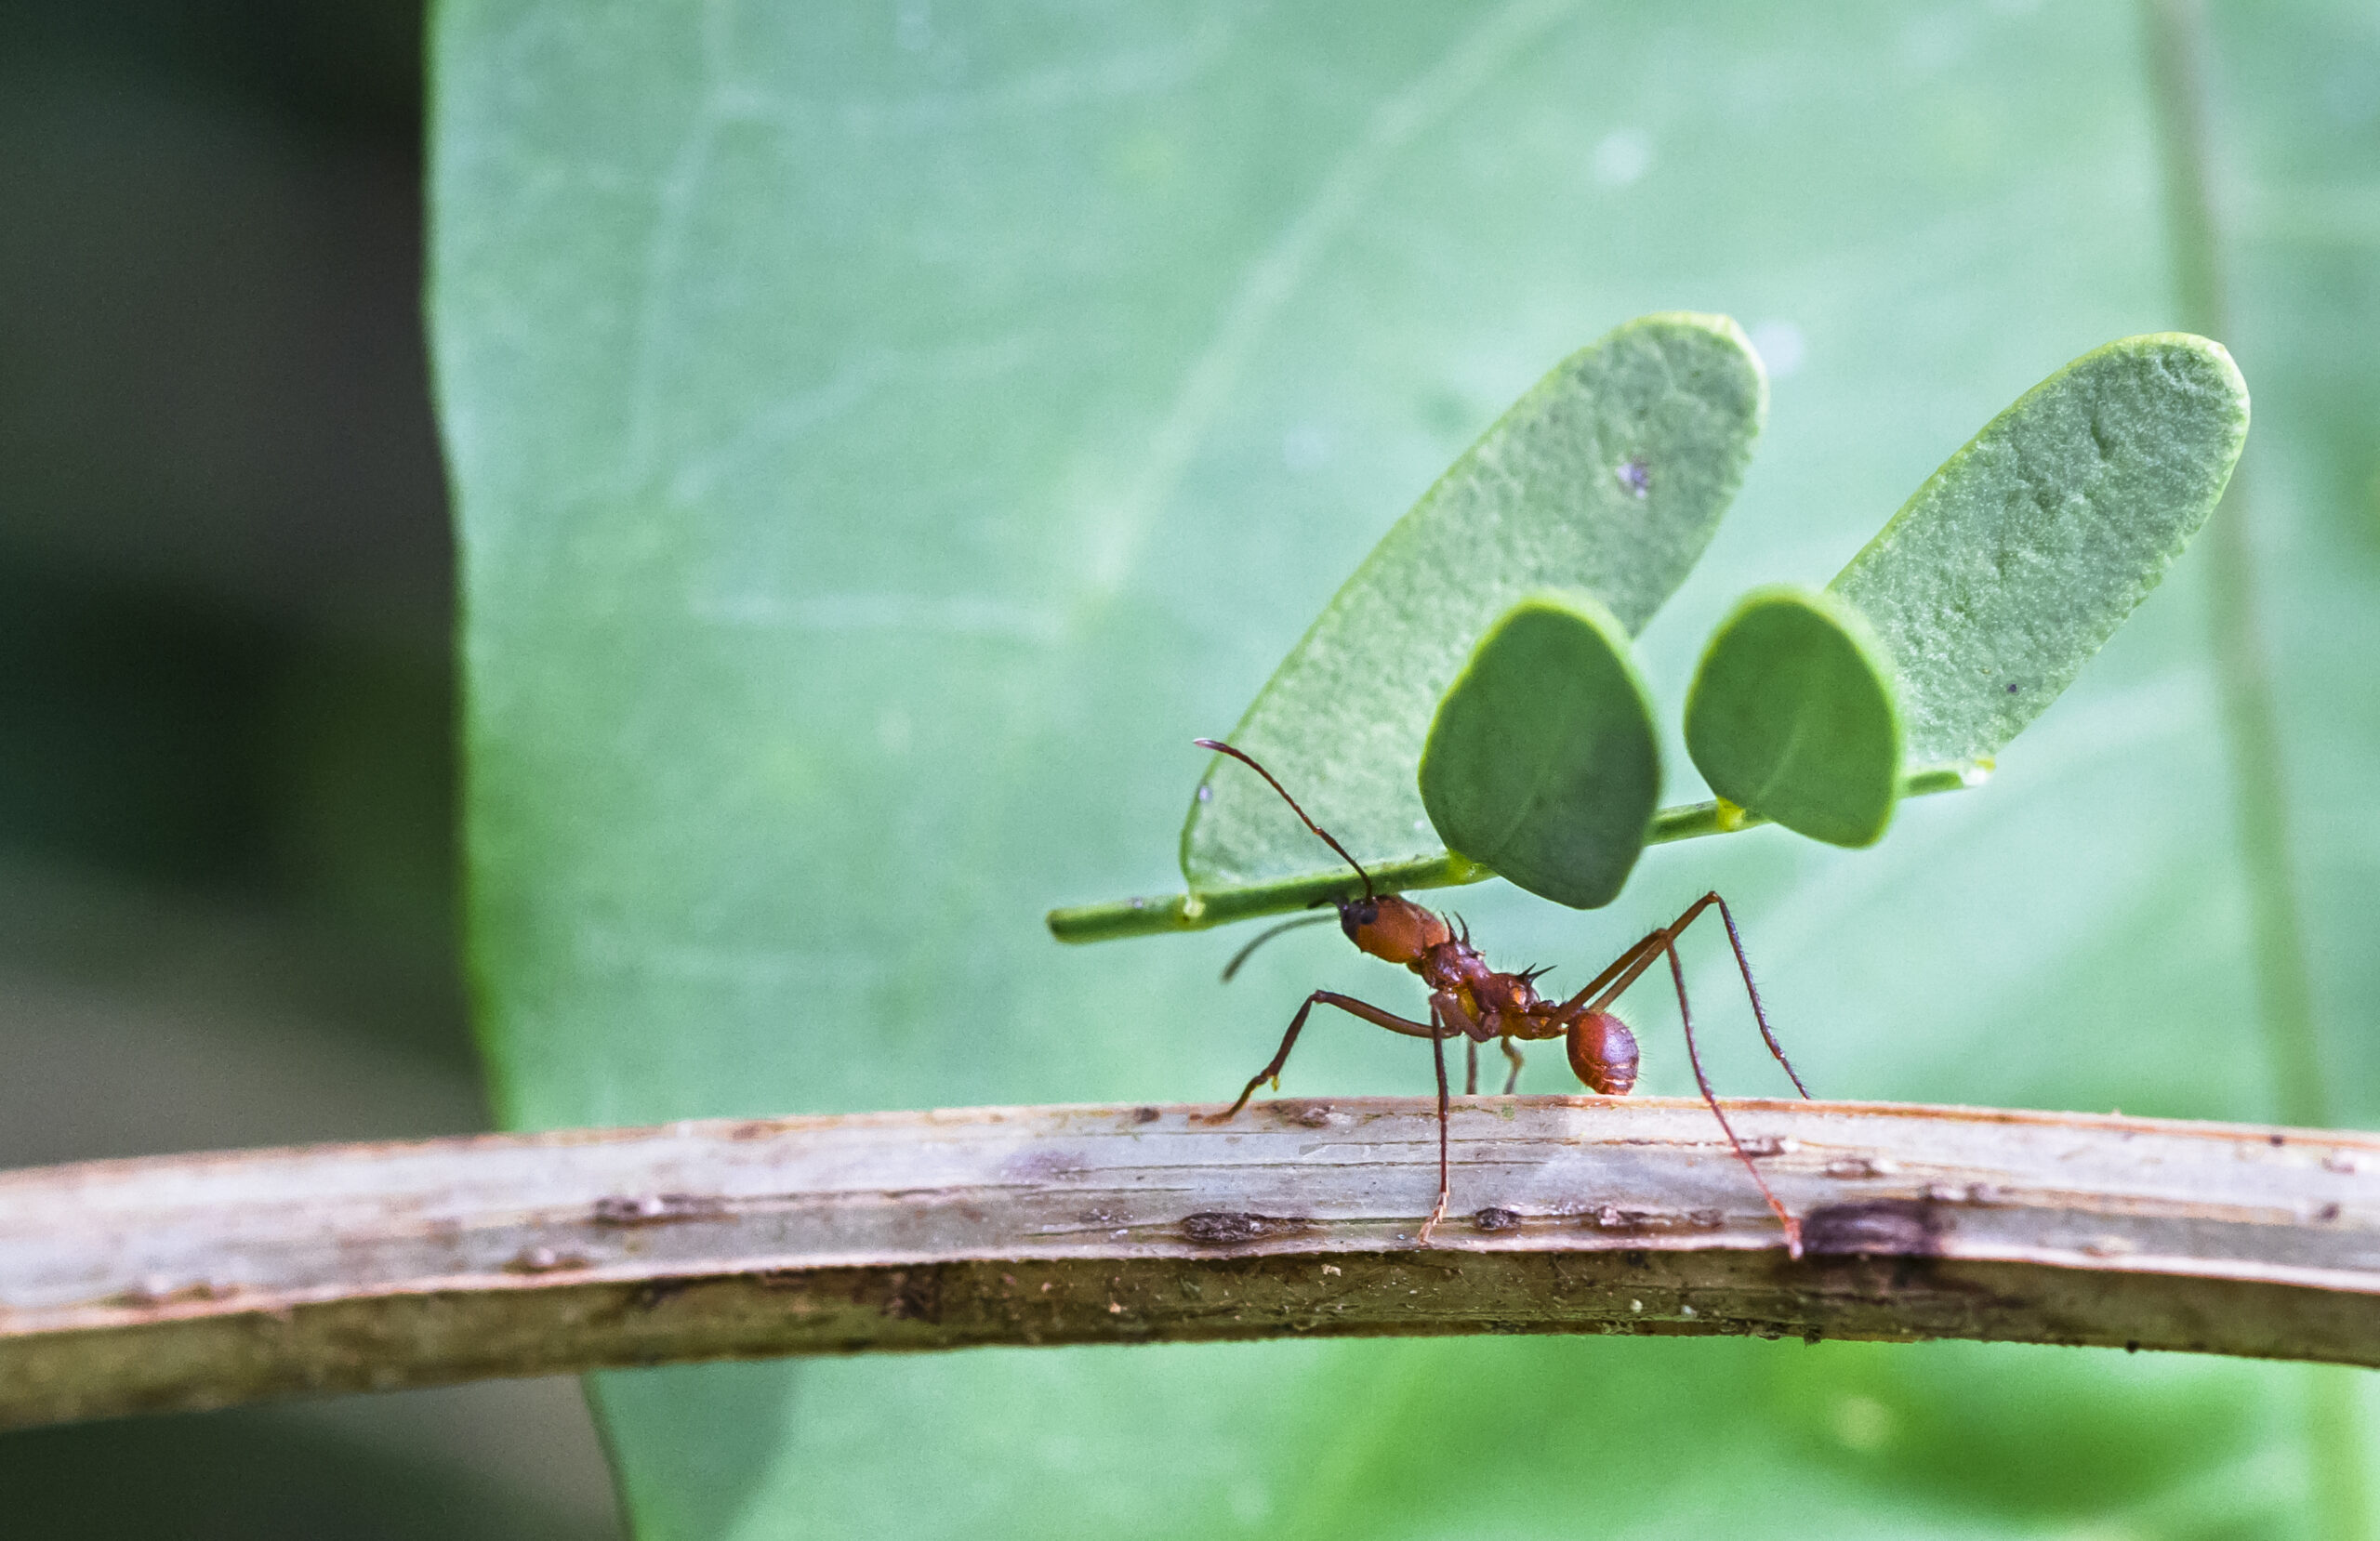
[{"x": 1469, "y": 998}]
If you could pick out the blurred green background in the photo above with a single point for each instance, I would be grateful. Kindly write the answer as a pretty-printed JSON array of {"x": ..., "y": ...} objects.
[{"x": 225, "y": 806}]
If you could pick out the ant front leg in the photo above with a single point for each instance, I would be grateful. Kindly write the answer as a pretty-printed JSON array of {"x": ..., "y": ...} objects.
[
  {"x": 1348, "y": 1003},
  {"x": 1512, "y": 1052}
]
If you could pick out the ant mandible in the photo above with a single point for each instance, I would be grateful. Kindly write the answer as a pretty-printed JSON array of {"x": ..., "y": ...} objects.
[{"x": 1480, "y": 1003}]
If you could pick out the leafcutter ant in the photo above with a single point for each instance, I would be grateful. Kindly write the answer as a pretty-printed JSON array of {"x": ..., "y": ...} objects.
[{"x": 1469, "y": 999}]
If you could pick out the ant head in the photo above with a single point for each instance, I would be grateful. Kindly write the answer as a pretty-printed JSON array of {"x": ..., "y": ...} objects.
[{"x": 1391, "y": 928}]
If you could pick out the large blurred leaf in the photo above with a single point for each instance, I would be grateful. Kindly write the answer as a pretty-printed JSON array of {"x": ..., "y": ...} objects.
[
  {"x": 1542, "y": 761},
  {"x": 1610, "y": 477},
  {"x": 884, "y": 437}
]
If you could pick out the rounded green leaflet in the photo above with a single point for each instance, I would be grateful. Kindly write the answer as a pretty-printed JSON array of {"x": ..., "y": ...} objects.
[
  {"x": 2006, "y": 570},
  {"x": 1792, "y": 715},
  {"x": 1541, "y": 762},
  {"x": 1609, "y": 475}
]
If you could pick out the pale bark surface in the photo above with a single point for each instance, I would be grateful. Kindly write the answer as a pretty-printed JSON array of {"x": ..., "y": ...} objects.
[{"x": 201, "y": 1281}]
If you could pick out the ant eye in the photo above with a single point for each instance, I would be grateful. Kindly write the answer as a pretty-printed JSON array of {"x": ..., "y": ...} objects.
[{"x": 1354, "y": 915}]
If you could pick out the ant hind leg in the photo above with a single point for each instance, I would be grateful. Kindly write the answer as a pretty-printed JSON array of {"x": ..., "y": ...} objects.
[
  {"x": 1759, "y": 1013},
  {"x": 1694, "y": 1056},
  {"x": 1512, "y": 1052},
  {"x": 1605, "y": 987}
]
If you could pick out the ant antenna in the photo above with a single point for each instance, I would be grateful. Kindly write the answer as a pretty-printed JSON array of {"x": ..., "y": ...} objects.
[
  {"x": 1220, "y": 748},
  {"x": 1269, "y": 932}
]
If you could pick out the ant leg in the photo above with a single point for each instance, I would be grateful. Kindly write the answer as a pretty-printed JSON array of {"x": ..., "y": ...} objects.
[
  {"x": 1743, "y": 967},
  {"x": 1792, "y": 1226},
  {"x": 1626, "y": 968},
  {"x": 1512, "y": 1052},
  {"x": 1448, "y": 1009},
  {"x": 1438, "y": 1053},
  {"x": 1605, "y": 987},
  {"x": 1348, "y": 1003}
]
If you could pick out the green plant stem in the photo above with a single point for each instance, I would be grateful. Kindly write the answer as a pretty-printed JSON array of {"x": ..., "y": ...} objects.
[
  {"x": 1183, "y": 912},
  {"x": 2178, "y": 75},
  {"x": 2251, "y": 718}
]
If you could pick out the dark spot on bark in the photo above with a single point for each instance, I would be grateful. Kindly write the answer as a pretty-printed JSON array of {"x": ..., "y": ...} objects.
[
  {"x": 159, "y": 1292},
  {"x": 658, "y": 1292},
  {"x": 1889, "y": 1228},
  {"x": 657, "y": 1208},
  {"x": 914, "y": 1296},
  {"x": 1144, "y": 1116},
  {"x": 2278, "y": 1140},
  {"x": 2328, "y": 1212},
  {"x": 2131, "y": 1346},
  {"x": 1492, "y": 1219},
  {"x": 1232, "y": 1227},
  {"x": 1314, "y": 1115}
]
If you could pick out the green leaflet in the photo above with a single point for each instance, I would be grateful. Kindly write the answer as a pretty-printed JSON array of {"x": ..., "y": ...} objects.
[
  {"x": 2017, "y": 560},
  {"x": 1542, "y": 761},
  {"x": 1609, "y": 476},
  {"x": 1792, "y": 716},
  {"x": 1987, "y": 591}
]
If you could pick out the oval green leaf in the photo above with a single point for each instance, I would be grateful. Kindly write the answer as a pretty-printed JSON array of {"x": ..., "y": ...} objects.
[
  {"x": 2012, "y": 563},
  {"x": 1791, "y": 715},
  {"x": 1541, "y": 762},
  {"x": 1609, "y": 476}
]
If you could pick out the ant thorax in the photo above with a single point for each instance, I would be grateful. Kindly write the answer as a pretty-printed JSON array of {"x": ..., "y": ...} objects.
[{"x": 1494, "y": 1003}]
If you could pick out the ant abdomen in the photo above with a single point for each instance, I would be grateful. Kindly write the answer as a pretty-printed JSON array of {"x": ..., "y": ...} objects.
[{"x": 1603, "y": 1053}]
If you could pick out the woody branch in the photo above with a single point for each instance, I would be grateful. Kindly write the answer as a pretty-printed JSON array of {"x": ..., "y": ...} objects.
[{"x": 203, "y": 1281}]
